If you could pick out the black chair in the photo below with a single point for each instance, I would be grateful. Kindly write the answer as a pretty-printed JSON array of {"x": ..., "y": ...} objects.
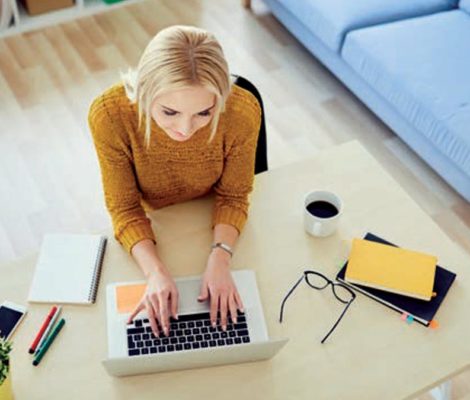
[{"x": 261, "y": 160}]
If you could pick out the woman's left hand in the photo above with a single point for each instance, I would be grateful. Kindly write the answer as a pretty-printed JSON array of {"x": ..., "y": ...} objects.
[{"x": 218, "y": 285}]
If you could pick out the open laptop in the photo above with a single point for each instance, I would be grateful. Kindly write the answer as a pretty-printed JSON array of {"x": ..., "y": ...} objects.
[{"x": 192, "y": 343}]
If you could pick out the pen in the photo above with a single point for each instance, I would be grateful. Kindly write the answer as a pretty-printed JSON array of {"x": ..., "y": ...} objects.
[
  {"x": 48, "y": 342},
  {"x": 49, "y": 328},
  {"x": 41, "y": 331}
]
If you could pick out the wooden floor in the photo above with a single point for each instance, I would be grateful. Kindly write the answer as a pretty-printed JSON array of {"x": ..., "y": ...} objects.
[{"x": 49, "y": 176}]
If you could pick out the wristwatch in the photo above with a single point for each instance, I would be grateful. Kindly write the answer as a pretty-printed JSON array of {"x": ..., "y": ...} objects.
[{"x": 223, "y": 246}]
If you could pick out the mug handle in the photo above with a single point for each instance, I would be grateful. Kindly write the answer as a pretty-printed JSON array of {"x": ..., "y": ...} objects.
[{"x": 316, "y": 228}]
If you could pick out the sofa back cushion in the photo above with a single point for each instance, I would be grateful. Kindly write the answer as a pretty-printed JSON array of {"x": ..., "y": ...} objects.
[
  {"x": 331, "y": 20},
  {"x": 412, "y": 66},
  {"x": 465, "y": 5}
]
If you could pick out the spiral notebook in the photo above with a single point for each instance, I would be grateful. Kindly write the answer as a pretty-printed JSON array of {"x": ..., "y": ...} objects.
[{"x": 68, "y": 269}]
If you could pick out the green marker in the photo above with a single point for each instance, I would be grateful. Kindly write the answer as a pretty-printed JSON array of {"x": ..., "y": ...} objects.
[{"x": 48, "y": 342}]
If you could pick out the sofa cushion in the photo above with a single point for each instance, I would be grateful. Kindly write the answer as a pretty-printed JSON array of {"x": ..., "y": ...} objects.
[
  {"x": 330, "y": 20},
  {"x": 465, "y": 5},
  {"x": 421, "y": 66}
]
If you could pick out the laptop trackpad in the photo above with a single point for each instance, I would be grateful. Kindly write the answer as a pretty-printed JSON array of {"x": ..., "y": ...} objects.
[{"x": 189, "y": 290}]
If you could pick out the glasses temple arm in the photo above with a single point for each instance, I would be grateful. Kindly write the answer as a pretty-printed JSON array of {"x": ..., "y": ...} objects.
[
  {"x": 337, "y": 322},
  {"x": 287, "y": 296}
]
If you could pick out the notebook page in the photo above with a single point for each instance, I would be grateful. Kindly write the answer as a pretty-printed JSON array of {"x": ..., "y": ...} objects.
[{"x": 64, "y": 271}]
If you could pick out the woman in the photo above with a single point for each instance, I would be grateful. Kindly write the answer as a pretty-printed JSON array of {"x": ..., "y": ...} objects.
[{"x": 176, "y": 129}]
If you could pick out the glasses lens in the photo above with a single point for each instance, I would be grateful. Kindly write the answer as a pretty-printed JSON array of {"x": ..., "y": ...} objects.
[
  {"x": 317, "y": 281},
  {"x": 342, "y": 293}
]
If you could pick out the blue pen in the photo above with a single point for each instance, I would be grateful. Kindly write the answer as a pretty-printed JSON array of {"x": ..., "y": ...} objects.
[{"x": 48, "y": 342}]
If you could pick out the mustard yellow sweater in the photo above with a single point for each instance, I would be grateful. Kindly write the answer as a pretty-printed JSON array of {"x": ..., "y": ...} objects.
[{"x": 136, "y": 178}]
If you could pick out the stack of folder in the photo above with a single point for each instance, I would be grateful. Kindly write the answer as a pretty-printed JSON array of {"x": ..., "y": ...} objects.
[{"x": 407, "y": 281}]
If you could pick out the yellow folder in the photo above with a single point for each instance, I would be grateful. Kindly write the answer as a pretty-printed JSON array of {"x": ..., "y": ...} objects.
[{"x": 392, "y": 269}]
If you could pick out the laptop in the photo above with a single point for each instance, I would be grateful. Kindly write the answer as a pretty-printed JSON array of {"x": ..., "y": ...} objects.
[{"x": 192, "y": 343}]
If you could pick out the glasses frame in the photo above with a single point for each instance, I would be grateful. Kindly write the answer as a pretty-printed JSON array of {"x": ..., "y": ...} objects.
[{"x": 329, "y": 282}]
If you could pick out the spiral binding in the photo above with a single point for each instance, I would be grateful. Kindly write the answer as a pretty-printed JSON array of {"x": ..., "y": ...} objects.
[{"x": 97, "y": 271}]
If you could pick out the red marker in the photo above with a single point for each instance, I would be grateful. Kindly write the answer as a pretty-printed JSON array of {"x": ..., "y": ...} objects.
[{"x": 46, "y": 322}]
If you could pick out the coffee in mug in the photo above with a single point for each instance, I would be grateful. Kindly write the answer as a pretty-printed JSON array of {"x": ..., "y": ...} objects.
[
  {"x": 322, "y": 209},
  {"x": 321, "y": 213}
]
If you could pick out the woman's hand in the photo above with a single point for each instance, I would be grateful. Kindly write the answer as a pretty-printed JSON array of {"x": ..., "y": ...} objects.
[
  {"x": 159, "y": 300},
  {"x": 218, "y": 285}
]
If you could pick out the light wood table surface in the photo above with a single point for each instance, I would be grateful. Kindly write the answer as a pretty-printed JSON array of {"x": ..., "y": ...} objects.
[{"x": 371, "y": 355}]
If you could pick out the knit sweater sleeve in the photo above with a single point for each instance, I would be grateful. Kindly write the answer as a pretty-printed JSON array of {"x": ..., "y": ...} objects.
[
  {"x": 236, "y": 182},
  {"x": 122, "y": 196}
]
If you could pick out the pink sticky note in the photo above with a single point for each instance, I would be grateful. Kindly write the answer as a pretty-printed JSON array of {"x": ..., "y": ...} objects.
[{"x": 404, "y": 316}]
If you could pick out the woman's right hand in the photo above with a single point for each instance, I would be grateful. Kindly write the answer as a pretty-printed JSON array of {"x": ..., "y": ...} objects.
[{"x": 160, "y": 300}]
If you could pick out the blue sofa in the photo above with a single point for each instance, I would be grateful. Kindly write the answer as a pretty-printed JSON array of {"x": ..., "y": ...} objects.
[{"x": 407, "y": 60}]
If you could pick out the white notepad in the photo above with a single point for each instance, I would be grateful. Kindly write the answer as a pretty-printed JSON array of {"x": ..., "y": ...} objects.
[{"x": 68, "y": 269}]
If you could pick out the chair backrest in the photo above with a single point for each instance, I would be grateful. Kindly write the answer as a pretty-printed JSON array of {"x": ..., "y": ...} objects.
[{"x": 261, "y": 161}]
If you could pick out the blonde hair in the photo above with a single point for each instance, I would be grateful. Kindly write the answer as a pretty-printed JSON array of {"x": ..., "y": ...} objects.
[{"x": 178, "y": 57}]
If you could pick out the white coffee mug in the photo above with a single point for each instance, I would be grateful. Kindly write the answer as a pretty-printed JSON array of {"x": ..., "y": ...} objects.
[{"x": 326, "y": 221}]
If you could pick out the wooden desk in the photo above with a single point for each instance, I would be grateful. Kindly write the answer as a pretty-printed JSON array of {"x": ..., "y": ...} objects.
[{"x": 371, "y": 355}]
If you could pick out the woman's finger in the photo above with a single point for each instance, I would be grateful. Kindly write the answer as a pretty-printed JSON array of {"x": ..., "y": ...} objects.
[
  {"x": 223, "y": 310},
  {"x": 159, "y": 319},
  {"x": 232, "y": 304},
  {"x": 238, "y": 299},
  {"x": 137, "y": 310},
  {"x": 152, "y": 318},
  {"x": 214, "y": 297},
  {"x": 204, "y": 294},
  {"x": 163, "y": 302},
  {"x": 174, "y": 298}
]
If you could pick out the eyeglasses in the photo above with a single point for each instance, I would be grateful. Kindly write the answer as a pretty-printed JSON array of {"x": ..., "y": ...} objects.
[{"x": 319, "y": 281}]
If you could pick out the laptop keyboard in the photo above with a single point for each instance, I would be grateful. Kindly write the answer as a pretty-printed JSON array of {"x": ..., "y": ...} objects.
[{"x": 189, "y": 332}]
